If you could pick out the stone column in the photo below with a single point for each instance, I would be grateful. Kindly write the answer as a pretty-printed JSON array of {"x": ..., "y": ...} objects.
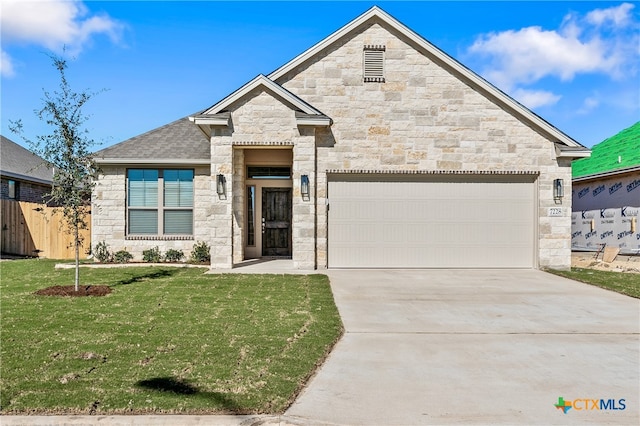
[
  {"x": 222, "y": 208},
  {"x": 555, "y": 232},
  {"x": 303, "y": 220},
  {"x": 109, "y": 208},
  {"x": 238, "y": 205}
]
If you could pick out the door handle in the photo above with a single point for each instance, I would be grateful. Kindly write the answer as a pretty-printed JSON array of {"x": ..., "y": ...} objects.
[{"x": 264, "y": 225}]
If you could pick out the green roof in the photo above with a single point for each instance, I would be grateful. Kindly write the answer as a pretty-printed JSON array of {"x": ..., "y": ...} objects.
[{"x": 618, "y": 152}]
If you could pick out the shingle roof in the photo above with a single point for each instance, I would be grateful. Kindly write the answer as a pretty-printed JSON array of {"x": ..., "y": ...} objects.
[
  {"x": 20, "y": 163},
  {"x": 618, "y": 152},
  {"x": 179, "y": 140}
]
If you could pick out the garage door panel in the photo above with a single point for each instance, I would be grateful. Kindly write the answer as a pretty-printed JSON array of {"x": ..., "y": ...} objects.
[{"x": 395, "y": 223}]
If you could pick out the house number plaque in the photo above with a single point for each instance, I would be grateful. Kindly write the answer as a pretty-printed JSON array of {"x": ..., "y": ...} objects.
[{"x": 555, "y": 211}]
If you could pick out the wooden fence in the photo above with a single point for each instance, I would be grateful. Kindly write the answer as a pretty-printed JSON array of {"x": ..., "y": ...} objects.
[{"x": 32, "y": 229}]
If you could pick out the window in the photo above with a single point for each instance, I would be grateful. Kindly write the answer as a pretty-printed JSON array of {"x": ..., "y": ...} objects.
[
  {"x": 159, "y": 202},
  {"x": 13, "y": 189},
  {"x": 254, "y": 172},
  {"x": 251, "y": 216},
  {"x": 373, "y": 63}
]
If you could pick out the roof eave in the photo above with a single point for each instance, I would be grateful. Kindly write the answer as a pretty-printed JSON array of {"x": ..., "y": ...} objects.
[
  {"x": 313, "y": 121},
  {"x": 206, "y": 121},
  {"x": 203, "y": 120},
  {"x": 563, "y": 151},
  {"x": 25, "y": 178},
  {"x": 153, "y": 161},
  {"x": 319, "y": 120},
  {"x": 607, "y": 174}
]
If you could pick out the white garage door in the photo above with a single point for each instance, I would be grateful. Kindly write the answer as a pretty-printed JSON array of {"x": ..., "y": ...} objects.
[{"x": 431, "y": 221}]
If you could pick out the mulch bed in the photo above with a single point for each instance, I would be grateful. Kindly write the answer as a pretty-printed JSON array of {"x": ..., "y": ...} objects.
[{"x": 69, "y": 290}]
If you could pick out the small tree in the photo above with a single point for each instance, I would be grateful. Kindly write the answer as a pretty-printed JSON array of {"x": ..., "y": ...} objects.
[{"x": 66, "y": 151}]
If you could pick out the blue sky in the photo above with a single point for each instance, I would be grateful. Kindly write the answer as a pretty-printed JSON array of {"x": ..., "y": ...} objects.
[{"x": 575, "y": 64}]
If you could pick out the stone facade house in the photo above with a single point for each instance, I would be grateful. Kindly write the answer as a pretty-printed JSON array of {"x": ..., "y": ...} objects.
[
  {"x": 373, "y": 148},
  {"x": 23, "y": 175}
]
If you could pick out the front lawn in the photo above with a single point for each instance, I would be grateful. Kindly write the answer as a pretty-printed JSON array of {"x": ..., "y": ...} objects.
[
  {"x": 621, "y": 282},
  {"x": 166, "y": 340}
]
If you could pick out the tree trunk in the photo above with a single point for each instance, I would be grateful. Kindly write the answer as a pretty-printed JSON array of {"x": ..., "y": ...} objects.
[{"x": 77, "y": 247}]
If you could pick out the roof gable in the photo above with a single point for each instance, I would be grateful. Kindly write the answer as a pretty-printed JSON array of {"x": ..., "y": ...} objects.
[
  {"x": 262, "y": 82},
  {"x": 617, "y": 153},
  {"x": 20, "y": 163},
  {"x": 377, "y": 15},
  {"x": 217, "y": 114}
]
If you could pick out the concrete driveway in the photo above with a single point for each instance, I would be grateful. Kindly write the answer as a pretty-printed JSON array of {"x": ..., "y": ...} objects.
[{"x": 475, "y": 347}]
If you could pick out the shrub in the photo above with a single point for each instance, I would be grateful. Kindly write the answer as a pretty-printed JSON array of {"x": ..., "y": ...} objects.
[
  {"x": 200, "y": 253},
  {"x": 122, "y": 256},
  {"x": 152, "y": 255},
  {"x": 102, "y": 253},
  {"x": 173, "y": 255}
]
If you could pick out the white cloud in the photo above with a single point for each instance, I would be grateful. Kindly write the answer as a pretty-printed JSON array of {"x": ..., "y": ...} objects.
[
  {"x": 6, "y": 65},
  {"x": 529, "y": 54},
  {"x": 589, "y": 104},
  {"x": 617, "y": 16},
  {"x": 604, "y": 41},
  {"x": 53, "y": 24},
  {"x": 535, "y": 98}
]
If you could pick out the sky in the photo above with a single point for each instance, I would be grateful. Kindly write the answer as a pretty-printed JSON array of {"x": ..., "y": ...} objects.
[{"x": 148, "y": 63}]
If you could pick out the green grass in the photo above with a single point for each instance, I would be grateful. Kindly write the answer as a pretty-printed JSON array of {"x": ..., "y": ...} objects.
[
  {"x": 166, "y": 340},
  {"x": 620, "y": 282}
]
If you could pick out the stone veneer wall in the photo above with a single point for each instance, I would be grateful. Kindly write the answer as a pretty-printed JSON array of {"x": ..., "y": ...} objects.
[
  {"x": 261, "y": 120},
  {"x": 109, "y": 213},
  {"x": 221, "y": 224},
  {"x": 304, "y": 210},
  {"x": 422, "y": 118},
  {"x": 238, "y": 205}
]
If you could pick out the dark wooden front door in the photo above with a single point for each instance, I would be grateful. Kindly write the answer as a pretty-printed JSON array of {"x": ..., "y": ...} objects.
[{"x": 276, "y": 221}]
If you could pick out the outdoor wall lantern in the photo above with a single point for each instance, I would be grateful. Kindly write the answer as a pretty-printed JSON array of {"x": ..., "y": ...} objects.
[
  {"x": 304, "y": 186},
  {"x": 220, "y": 186},
  {"x": 558, "y": 189}
]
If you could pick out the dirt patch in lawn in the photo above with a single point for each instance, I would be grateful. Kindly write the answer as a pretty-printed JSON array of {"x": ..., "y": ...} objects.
[
  {"x": 69, "y": 290},
  {"x": 621, "y": 263}
]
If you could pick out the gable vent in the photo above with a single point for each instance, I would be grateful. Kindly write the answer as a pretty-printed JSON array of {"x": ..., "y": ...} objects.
[{"x": 374, "y": 63}]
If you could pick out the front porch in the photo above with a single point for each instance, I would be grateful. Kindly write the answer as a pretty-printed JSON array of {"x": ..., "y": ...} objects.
[{"x": 264, "y": 205}]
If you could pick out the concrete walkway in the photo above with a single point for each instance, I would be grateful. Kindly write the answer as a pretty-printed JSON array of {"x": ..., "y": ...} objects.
[
  {"x": 475, "y": 347},
  {"x": 264, "y": 266},
  {"x": 457, "y": 347}
]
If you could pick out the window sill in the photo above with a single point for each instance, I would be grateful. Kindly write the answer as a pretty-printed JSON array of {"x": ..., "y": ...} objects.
[{"x": 159, "y": 237}]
